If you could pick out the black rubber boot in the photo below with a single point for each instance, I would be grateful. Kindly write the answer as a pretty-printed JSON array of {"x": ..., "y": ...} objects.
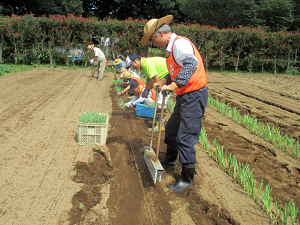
[
  {"x": 186, "y": 179},
  {"x": 171, "y": 157}
]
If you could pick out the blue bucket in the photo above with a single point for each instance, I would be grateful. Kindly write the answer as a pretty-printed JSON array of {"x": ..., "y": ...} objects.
[{"x": 145, "y": 111}]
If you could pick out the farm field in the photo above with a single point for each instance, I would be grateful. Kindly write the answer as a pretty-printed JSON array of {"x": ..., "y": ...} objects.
[{"x": 47, "y": 178}]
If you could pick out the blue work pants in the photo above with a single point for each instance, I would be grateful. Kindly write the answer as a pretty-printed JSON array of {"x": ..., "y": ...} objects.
[{"x": 184, "y": 126}]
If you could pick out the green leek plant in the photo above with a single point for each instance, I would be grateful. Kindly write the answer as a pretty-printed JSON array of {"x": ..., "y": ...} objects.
[
  {"x": 171, "y": 105},
  {"x": 92, "y": 117},
  {"x": 272, "y": 135},
  {"x": 121, "y": 104},
  {"x": 244, "y": 176}
]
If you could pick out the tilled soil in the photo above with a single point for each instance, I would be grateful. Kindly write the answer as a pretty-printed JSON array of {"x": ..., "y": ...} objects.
[{"x": 47, "y": 178}]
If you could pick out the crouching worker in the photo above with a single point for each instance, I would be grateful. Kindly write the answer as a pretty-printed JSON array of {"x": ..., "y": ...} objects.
[
  {"x": 119, "y": 64},
  {"x": 128, "y": 76},
  {"x": 137, "y": 90}
]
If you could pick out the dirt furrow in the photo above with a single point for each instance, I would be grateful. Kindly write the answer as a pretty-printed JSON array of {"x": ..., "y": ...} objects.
[
  {"x": 290, "y": 105},
  {"x": 264, "y": 113}
]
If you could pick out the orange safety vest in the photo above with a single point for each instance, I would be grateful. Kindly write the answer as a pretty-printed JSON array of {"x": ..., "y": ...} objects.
[
  {"x": 140, "y": 92},
  {"x": 153, "y": 97},
  {"x": 197, "y": 80},
  {"x": 138, "y": 80}
]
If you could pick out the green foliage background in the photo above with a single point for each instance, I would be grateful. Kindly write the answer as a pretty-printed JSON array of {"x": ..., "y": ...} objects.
[{"x": 31, "y": 40}]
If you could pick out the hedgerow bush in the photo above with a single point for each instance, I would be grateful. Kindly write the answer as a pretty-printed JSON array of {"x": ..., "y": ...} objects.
[{"x": 32, "y": 40}]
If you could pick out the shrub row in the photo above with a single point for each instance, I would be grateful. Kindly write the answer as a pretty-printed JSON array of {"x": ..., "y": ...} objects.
[{"x": 31, "y": 40}]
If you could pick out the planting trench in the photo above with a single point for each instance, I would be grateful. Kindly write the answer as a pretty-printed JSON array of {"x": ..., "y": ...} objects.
[{"x": 47, "y": 178}]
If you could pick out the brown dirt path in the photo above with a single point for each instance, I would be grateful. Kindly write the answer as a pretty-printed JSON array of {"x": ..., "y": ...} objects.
[{"x": 47, "y": 178}]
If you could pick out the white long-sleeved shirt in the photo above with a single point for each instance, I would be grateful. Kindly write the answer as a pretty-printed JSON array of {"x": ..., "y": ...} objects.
[{"x": 139, "y": 100}]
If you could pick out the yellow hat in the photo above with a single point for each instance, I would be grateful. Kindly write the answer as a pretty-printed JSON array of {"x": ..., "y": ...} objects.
[
  {"x": 117, "y": 61},
  {"x": 152, "y": 25},
  {"x": 126, "y": 75},
  {"x": 89, "y": 47}
]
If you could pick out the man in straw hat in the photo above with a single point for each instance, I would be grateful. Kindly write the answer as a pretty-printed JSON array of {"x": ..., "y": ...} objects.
[
  {"x": 187, "y": 78},
  {"x": 129, "y": 76},
  {"x": 99, "y": 58},
  {"x": 154, "y": 69},
  {"x": 119, "y": 64}
]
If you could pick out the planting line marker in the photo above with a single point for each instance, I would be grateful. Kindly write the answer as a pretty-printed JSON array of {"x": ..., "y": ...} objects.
[{"x": 137, "y": 168}]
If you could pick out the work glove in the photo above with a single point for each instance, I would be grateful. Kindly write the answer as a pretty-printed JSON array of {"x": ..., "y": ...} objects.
[
  {"x": 92, "y": 61},
  {"x": 128, "y": 104},
  {"x": 156, "y": 87},
  {"x": 160, "y": 83},
  {"x": 165, "y": 90},
  {"x": 145, "y": 93}
]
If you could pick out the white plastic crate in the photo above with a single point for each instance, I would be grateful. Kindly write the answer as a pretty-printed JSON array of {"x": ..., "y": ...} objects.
[{"x": 92, "y": 133}]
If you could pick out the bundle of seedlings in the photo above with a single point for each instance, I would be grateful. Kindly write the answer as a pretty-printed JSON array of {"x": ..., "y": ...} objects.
[{"x": 92, "y": 117}]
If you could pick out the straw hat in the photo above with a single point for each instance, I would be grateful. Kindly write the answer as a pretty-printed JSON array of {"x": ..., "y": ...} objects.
[
  {"x": 126, "y": 75},
  {"x": 152, "y": 25},
  {"x": 89, "y": 47},
  {"x": 117, "y": 61}
]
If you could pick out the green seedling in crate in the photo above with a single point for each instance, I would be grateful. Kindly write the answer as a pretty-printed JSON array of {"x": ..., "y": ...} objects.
[{"x": 92, "y": 117}]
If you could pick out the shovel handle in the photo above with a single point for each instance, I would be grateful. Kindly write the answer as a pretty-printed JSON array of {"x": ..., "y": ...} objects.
[
  {"x": 160, "y": 125},
  {"x": 153, "y": 122}
]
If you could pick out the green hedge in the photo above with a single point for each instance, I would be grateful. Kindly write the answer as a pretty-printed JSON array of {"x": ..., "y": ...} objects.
[{"x": 31, "y": 40}]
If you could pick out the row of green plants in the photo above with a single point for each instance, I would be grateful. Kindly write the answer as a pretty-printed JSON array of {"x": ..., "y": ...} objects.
[
  {"x": 118, "y": 86},
  {"x": 29, "y": 39},
  {"x": 274, "y": 136},
  {"x": 243, "y": 174}
]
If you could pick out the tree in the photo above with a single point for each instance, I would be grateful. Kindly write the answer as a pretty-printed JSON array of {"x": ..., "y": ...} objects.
[
  {"x": 41, "y": 7},
  {"x": 220, "y": 13},
  {"x": 274, "y": 15},
  {"x": 296, "y": 15}
]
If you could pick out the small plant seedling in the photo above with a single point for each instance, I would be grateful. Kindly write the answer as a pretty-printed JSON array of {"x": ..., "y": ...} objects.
[
  {"x": 112, "y": 180},
  {"x": 188, "y": 204}
]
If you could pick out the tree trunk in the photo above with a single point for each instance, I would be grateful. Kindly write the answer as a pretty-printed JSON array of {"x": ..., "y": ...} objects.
[
  {"x": 206, "y": 61},
  {"x": 275, "y": 65},
  {"x": 236, "y": 67},
  {"x": 1, "y": 47}
]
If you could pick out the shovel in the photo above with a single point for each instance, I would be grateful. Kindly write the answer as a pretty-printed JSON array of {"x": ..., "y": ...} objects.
[{"x": 151, "y": 158}]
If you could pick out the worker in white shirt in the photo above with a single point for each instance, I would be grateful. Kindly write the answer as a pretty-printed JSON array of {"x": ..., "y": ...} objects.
[{"x": 99, "y": 58}]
